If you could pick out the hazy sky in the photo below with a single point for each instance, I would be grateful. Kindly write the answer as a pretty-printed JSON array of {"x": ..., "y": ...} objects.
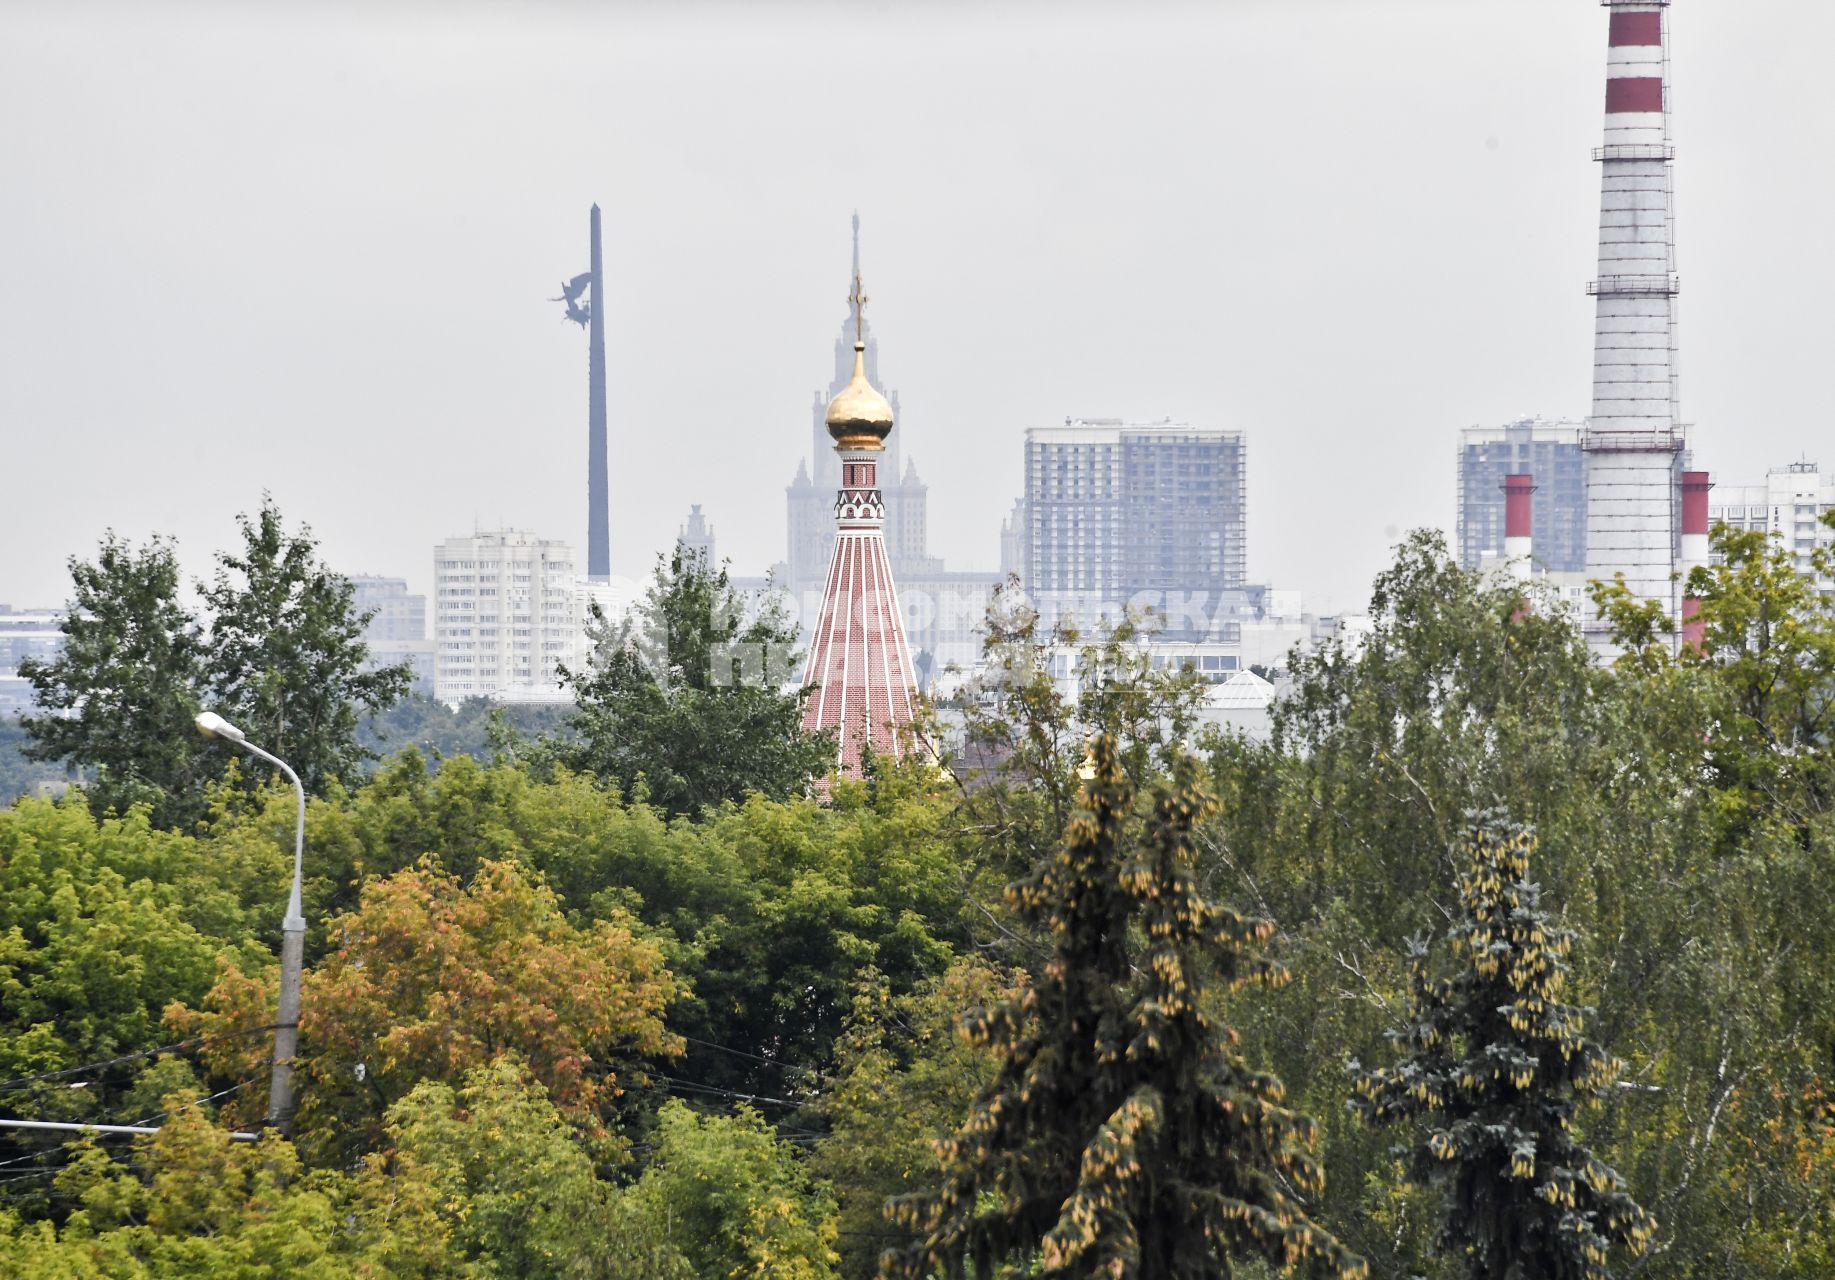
[{"x": 307, "y": 248}]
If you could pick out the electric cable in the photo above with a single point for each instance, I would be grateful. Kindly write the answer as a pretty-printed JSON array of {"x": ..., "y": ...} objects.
[{"x": 24, "y": 1082}]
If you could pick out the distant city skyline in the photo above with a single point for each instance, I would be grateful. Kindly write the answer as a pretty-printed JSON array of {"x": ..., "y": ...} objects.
[{"x": 310, "y": 251}]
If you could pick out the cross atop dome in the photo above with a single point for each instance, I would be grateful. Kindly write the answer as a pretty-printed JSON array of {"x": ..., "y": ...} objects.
[
  {"x": 859, "y": 417},
  {"x": 859, "y": 300}
]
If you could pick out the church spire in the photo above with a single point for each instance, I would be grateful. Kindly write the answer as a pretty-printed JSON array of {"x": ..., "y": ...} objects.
[
  {"x": 859, "y": 417},
  {"x": 859, "y": 661}
]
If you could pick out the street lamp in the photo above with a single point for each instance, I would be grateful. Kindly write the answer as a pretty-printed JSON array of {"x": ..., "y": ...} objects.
[{"x": 292, "y": 934}]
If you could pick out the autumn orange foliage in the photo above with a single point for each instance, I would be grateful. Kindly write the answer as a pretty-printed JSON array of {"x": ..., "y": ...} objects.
[{"x": 431, "y": 977}]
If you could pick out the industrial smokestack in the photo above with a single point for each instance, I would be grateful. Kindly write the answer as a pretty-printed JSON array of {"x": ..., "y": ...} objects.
[
  {"x": 1519, "y": 525},
  {"x": 1633, "y": 438},
  {"x": 1695, "y": 486}
]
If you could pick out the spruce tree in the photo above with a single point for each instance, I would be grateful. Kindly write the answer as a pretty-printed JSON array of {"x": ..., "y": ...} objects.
[
  {"x": 1493, "y": 1071},
  {"x": 1123, "y": 1136}
]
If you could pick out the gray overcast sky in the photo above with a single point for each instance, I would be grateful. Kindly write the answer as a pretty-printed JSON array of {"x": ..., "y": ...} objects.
[{"x": 307, "y": 248}]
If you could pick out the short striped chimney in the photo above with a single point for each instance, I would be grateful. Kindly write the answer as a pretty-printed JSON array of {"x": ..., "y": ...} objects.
[
  {"x": 1695, "y": 486},
  {"x": 1633, "y": 438},
  {"x": 1519, "y": 525}
]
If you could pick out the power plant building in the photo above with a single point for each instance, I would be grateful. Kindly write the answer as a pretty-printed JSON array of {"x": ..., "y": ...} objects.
[{"x": 1635, "y": 512}]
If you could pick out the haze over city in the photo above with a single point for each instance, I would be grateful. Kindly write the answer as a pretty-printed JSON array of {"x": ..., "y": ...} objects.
[
  {"x": 1388, "y": 835},
  {"x": 309, "y": 250}
]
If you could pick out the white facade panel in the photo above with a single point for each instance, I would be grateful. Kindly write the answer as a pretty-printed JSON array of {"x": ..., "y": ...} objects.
[{"x": 505, "y": 616}]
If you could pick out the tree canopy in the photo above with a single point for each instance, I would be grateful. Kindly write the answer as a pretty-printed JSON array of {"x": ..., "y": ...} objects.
[
  {"x": 120, "y": 697},
  {"x": 278, "y": 651},
  {"x": 687, "y": 697},
  {"x": 560, "y": 1024}
]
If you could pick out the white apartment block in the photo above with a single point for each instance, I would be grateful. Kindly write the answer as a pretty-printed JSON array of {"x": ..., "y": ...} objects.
[
  {"x": 25, "y": 633},
  {"x": 1789, "y": 506},
  {"x": 507, "y": 611}
]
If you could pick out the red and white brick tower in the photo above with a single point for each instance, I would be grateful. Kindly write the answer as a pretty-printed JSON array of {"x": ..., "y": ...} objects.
[
  {"x": 1519, "y": 525},
  {"x": 1633, "y": 440},
  {"x": 1695, "y": 486},
  {"x": 858, "y": 658}
]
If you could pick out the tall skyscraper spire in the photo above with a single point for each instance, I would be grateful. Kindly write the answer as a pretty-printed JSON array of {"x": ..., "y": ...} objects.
[
  {"x": 1634, "y": 439},
  {"x": 858, "y": 656}
]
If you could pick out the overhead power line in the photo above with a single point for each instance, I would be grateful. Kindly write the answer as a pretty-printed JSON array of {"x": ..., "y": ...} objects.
[
  {"x": 24, "y": 1082},
  {"x": 65, "y": 1126}
]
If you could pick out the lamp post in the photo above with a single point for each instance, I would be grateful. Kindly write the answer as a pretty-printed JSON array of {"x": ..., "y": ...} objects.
[{"x": 292, "y": 934}]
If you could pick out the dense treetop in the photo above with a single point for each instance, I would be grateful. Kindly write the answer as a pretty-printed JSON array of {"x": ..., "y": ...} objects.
[{"x": 684, "y": 1012}]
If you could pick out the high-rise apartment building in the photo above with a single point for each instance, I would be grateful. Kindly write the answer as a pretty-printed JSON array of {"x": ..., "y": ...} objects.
[
  {"x": 1147, "y": 514},
  {"x": 397, "y": 627},
  {"x": 1789, "y": 506},
  {"x": 396, "y": 615},
  {"x": 1553, "y": 453},
  {"x": 507, "y": 611}
]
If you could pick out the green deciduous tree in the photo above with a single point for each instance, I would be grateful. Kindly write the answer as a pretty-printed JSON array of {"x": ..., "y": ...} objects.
[
  {"x": 687, "y": 696},
  {"x": 769, "y": 912},
  {"x": 119, "y": 699},
  {"x": 478, "y": 727},
  {"x": 1701, "y": 938},
  {"x": 279, "y": 651},
  {"x": 518, "y": 1196},
  {"x": 735, "y": 1199},
  {"x": 284, "y": 654},
  {"x": 1122, "y": 1136},
  {"x": 1769, "y": 639},
  {"x": 191, "y": 1204},
  {"x": 1495, "y": 1068},
  {"x": 1027, "y": 714},
  {"x": 102, "y": 924}
]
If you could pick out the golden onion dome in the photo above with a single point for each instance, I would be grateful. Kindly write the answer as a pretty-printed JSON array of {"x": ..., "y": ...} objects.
[{"x": 859, "y": 417}]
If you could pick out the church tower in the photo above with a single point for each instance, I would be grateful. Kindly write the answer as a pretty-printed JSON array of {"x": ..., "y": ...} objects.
[
  {"x": 810, "y": 525},
  {"x": 858, "y": 657}
]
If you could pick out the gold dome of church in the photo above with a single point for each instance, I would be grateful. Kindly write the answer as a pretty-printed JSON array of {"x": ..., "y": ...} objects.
[{"x": 859, "y": 417}]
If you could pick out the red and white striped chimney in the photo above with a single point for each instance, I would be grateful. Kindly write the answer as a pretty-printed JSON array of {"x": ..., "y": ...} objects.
[
  {"x": 1633, "y": 438},
  {"x": 1519, "y": 525},
  {"x": 1694, "y": 550}
]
